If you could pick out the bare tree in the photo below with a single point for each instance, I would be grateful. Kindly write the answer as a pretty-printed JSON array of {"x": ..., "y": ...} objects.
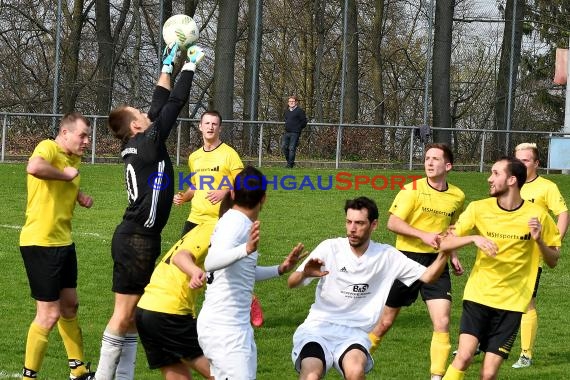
[
  {"x": 441, "y": 93},
  {"x": 352, "y": 60}
]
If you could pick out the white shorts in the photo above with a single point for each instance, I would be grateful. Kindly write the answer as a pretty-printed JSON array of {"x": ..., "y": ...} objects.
[
  {"x": 334, "y": 339},
  {"x": 232, "y": 353}
]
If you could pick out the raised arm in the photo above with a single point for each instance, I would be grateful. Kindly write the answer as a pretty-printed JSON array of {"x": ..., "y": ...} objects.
[
  {"x": 549, "y": 254},
  {"x": 433, "y": 272},
  {"x": 400, "y": 226},
  {"x": 311, "y": 269},
  {"x": 42, "y": 169}
]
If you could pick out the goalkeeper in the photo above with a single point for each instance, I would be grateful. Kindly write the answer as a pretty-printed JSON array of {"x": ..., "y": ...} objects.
[{"x": 150, "y": 188}]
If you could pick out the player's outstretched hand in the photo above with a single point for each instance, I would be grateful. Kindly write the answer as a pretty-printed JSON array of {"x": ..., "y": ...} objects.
[
  {"x": 293, "y": 258},
  {"x": 197, "y": 279},
  {"x": 253, "y": 239},
  {"x": 194, "y": 55},
  {"x": 313, "y": 268},
  {"x": 169, "y": 57}
]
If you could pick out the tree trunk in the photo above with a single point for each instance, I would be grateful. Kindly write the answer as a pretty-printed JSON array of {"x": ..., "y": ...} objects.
[
  {"x": 441, "y": 94},
  {"x": 505, "y": 70},
  {"x": 351, "y": 81},
  {"x": 70, "y": 66},
  {"x": 318, "y": 10},
  {"x": 377, "y": 80},
  {"x": 225, "y": 50},
  {"x": 251, "y": 74}
]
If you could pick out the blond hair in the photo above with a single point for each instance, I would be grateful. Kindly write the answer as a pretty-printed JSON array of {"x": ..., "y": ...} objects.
[{"x": 528, "y": 146}]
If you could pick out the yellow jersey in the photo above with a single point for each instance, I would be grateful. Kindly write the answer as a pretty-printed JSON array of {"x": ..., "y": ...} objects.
[
  {"x": 544, "y": 193},
  {"x": 168, "y": 290},
  {"x": 505, "y": 281},
  {"x": 211, "y": 170},
  {"x": 50, "y": 203},
  {"x": 427, "y": 209}
]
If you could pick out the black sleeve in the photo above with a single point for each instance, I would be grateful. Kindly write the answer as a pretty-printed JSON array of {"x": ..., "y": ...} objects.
[
  {"x": 166, "y": 118},
  {"x": 303, "y": 118},
  {"x": 159, "y": 99}
]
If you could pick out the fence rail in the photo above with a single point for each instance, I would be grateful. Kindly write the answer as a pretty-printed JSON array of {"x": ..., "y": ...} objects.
[{"x": 258, "y": 142}]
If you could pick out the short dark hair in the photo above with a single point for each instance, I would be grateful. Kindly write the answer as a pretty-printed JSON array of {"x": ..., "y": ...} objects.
[
  {"x": 212, "y": 113},
  {"x": 447, "y": 153},
  {"x": 68, "y": 120},
  {"x": 363, "y": 203},
  {"x": 119, "y": 122},
  {"x": 249, "y": 189},
  {"x": 515, "y": 167}
]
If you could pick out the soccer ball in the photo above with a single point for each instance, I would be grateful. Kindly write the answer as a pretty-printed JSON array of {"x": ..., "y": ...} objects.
[{"x": 181, "y": 29}]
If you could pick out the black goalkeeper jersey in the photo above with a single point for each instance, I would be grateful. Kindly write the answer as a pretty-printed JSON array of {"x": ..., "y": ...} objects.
[{"x": 149, "y": 175}]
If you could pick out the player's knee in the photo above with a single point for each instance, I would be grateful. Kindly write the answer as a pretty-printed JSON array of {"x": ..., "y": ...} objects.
[
  {"x": 48, "y": 319},
  {"x": 487, "y": 373}
]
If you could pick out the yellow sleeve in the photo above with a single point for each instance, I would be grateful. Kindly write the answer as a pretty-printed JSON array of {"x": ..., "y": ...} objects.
[
  {"x": 404, "y": 203},
  {"x": 555, "y": 201},
  {"x": 466, "y": 221}
]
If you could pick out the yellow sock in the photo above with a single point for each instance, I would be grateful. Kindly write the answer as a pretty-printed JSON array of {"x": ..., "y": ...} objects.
[
  {"x": 529, "y": 326},
  {"x": 36, "y": 347},
  {"x": 73, "y": 342},
  {"x": 453, "y": 374},
  {"x": 439, "y": 352}
]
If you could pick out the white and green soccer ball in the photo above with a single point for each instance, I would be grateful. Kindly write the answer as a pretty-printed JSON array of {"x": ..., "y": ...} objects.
[{"x": 182, "y": 29}]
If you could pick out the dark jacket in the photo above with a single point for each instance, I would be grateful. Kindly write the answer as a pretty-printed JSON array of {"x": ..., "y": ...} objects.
[{"x": 295, "y": 120}]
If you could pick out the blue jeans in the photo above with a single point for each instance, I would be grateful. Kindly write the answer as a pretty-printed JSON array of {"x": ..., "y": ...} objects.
[{"x": 289, "y": 147}]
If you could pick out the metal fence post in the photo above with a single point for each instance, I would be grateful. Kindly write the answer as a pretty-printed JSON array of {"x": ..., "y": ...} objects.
[
  {"x": 4, "y": 126},
  {"x": 93, "y": 140},
  {"x": 260, "y": 146},
  {"x": 482, "y": 159},
  {"x": 410, "y": 164}
]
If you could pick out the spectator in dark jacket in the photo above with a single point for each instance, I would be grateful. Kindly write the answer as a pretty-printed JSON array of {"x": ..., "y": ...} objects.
[{"x": 295, "y": 121}]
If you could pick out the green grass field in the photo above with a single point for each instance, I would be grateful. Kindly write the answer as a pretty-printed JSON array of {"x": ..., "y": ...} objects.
[{"x": 289, "y": 217}]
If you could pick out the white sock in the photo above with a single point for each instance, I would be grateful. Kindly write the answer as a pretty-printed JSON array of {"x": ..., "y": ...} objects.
[
  {"x": 111, "y": 347},
  {"x": 126, "y": 367}
]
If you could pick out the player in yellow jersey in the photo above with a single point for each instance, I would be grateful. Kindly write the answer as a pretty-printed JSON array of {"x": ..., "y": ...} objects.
[
  {"x": 419, "y": 215},
  {"x": 166, "y": 313},
  {"x": 46, "y": 245},
  {"x": 544, "y": 193},
  {"x": 213, "y": 168},
  {"x": 511, "y": 235}
]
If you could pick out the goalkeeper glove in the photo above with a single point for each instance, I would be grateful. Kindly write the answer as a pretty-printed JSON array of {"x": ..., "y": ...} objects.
[
  {"x": 375, "y": 341},
  {"x": 194, "y": 55},
  {"x": 169, "y": 57}
]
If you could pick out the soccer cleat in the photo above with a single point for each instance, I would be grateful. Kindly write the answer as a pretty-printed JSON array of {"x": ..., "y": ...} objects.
[
  {"x": 256, "y": 313},
  {"x": 86, "y": 376},
  {"x": 523, "y": 362}
]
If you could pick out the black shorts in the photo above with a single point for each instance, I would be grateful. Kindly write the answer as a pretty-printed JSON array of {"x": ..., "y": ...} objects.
[
  {"x": 167, "y": 338},
  {"x": 402, "y": 295},
  {"x": 134, "y": 256},
  {"x": 49, "y": 270},
  {"x": 535, "y": 291},
  {"x": 496, "y": 329}
]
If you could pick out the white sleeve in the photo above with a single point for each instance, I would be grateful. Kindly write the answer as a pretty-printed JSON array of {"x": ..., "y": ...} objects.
[
  {"x": 408, "y": 270},
  {"x": 265, "y": 273},
  {"x": 221, "y": 257}
]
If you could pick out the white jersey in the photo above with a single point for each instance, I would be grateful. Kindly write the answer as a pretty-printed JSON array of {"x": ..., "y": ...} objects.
[
  {"x": 355, "y": 290},
  {"x": 231, "y": 273}
]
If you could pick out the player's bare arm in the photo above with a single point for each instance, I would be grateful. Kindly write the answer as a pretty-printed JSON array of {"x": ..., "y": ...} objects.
[
  {"x": 312, "y": 269},
  {"x": 186, "y": 262},
  {"x": 401, "y": 227},
  {"x": 216, "y": 196},
  {"x": 452, "y": 242},
  {"x": 433, "y": 272},
  {"x": 549, "y": 254},
  {"x": 42, "y": 169},
  {"x": 292, "y": 259},
  {"x": 183, "y": 197},
  {"x": 562, "y": 223}
]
